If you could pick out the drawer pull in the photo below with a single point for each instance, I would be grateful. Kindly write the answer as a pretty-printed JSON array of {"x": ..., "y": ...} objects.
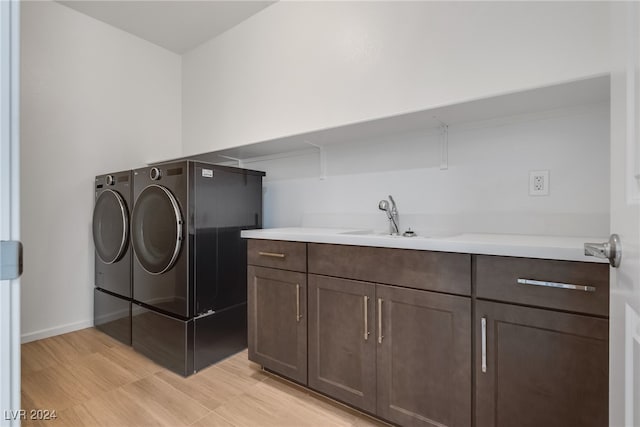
[
  {"x": 298, "y": 316},
  {"x": 557, "y": 285},
  {"x": 271, "y": 254},
  {"x": 483, "y": 321},
  {"x": 366, "y": 318}
]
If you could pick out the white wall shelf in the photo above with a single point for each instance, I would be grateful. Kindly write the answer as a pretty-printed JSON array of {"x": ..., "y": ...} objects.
[{"x": 575, "y": 93}]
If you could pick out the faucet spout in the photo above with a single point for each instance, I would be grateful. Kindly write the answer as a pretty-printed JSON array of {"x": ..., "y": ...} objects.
[{"x": 393, "y": 204}]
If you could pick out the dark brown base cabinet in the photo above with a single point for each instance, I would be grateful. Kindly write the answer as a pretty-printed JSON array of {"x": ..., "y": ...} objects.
[
  {"x": 545, "y": 366},
  {"x": 389, "y": 331},
  {"x": 402, "y": 354},
  {"x": 541, "y": 368},
  {"x": 278, "y": 321}
]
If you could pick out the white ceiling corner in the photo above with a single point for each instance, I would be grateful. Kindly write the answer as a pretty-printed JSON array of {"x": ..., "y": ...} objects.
[{"x": 177, "y": 25}]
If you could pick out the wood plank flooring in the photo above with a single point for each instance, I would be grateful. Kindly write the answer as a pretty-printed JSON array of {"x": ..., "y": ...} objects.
[{"x": 89, "y": 379}]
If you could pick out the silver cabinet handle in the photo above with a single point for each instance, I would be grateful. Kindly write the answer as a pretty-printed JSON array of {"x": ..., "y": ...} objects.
[
  {"x": 298, "y": 316},
  {"x": 611, "y": 250},
  {"x": 557, "y": 285},
  {"x": 271, "y": 254},
  {"x": 366, "y": 318},
  {"x": 483, "y": 343},
  {"x": 380, "y": 336}
]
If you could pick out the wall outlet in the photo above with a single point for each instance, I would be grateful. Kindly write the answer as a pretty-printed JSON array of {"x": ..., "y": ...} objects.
[{"x": 539, "y": 183}]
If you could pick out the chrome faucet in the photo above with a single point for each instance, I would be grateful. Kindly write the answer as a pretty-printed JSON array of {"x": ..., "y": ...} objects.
[{"x": 392, "y": 215}]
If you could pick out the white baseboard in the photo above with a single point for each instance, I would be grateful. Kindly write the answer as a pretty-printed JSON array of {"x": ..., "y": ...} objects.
[{"x": 57, "y": 330}]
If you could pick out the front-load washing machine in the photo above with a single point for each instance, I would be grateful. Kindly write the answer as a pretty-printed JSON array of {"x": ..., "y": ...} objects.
[
  {"x": 111, "y": 218},
  {"x": 189, "y": 268}
]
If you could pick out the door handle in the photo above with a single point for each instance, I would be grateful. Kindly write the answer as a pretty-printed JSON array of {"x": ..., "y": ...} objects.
[
  {"x": 611, "y": 250},
  {"x": 366, "y": 317},
  {"x": 483, "y": 344},
  {"x": 380, "y": 336},
  {"x": 298, "y": 316},
  {"x": 10, "y": 259},
  {"x": 272, "y": 254},
  {"x": 556, "y": 285}
]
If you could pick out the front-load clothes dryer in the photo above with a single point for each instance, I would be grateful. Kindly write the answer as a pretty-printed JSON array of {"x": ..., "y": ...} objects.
[
  {"x": 111, "y": 233},
  {"x": 189, "y": 268},
  {"x": 113, "y": 255}
]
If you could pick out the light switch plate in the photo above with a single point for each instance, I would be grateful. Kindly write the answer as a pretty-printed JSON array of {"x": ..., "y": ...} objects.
[{"x": 539, "y": 183}]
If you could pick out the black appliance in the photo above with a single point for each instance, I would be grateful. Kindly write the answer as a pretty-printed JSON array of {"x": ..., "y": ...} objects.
[
  {"x": 113, "y": 255},
  {"x": 189, "y": 268}
]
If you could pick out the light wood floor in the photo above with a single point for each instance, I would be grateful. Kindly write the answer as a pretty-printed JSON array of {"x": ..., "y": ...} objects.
[{"x": 92, "y": 380}]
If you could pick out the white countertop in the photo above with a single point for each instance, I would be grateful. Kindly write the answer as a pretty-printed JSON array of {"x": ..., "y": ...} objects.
[{"x": 545, "y": 247}]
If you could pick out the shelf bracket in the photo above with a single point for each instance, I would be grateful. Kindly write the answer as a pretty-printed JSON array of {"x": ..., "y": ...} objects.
[
  {"x": 323, "y": 159},
  {"x": 235, "y": 159},
  {"x": 444, "y": 146}
]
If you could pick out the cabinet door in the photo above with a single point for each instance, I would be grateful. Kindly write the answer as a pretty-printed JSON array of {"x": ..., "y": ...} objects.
[
  {"x": 342, "y": 348},
  {"x": 277, "y": 305},
  {"x": 538, "y": 367},
  {"x": 424, "y": 357}
]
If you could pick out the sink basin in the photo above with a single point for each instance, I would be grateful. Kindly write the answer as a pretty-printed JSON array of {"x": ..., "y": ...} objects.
[
  {"x": 372, "y": 233},
  {"x": 364, "y": 233}
]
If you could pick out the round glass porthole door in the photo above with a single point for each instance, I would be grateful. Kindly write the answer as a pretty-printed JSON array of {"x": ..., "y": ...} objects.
[
  {"x": 156, "y": 229},
  {"x": 110, "y": 226}
]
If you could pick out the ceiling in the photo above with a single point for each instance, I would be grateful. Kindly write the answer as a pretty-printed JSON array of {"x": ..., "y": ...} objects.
[{"x": 178, "y": 25}]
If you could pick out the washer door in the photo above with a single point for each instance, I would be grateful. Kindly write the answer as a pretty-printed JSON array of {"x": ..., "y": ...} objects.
[
  {"x": 110, "y": 226},
  {"x": 156, "y": 229}
]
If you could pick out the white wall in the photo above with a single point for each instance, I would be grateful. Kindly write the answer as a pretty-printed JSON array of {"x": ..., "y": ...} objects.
[
  {"x": 302, "y": 66},
  {"x": 94, "y": 100},
  {"x": 485, "y": 188}
]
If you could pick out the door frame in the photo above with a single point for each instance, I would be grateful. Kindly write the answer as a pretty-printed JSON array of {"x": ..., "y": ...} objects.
[{"x": 9, "y": 209}]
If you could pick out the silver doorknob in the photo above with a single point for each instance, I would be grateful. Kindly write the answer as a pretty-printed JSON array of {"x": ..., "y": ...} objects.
[{"x": 611, "y": 250}]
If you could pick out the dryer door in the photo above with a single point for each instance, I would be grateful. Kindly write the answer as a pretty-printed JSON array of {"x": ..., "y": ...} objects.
[
  {"x": 156, "y": 225},
  {"x": 110, "y": 226}
]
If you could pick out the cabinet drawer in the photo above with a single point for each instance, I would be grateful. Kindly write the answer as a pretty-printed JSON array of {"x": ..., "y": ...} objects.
[
  {"x": 499, "y": 278},
  {"x": 436, "y": 271},
  {"x": 277, "y": 254}
]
